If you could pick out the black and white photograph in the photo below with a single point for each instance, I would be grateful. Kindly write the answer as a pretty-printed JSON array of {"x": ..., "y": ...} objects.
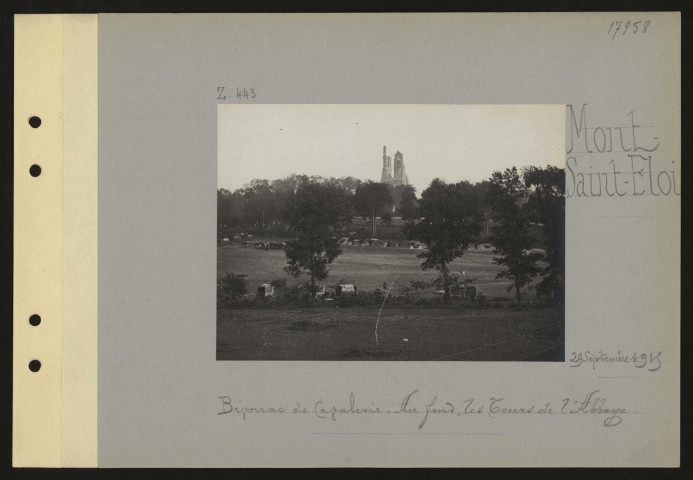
[{"x": 391, "y": 232}]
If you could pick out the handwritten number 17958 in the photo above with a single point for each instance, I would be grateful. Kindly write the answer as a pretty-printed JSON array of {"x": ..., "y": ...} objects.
[{"x": 618, "y": 26}]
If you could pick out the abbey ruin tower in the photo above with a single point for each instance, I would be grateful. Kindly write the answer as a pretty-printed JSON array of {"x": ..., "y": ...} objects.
[{"x": 399, "y": 177}]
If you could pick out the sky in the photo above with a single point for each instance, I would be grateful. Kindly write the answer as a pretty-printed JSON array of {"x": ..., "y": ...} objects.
[{"x": 451, "y": 142}]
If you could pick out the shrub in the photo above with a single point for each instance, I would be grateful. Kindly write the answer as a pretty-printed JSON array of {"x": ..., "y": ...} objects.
[
  {"x": 232, "y": 285},
  {"x": 279, "y": 283}
]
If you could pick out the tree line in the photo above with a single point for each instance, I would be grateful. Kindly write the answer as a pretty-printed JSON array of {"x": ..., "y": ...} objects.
[
  {"x": 525, "y": 207},
  {"x": 264, "y": 205}
]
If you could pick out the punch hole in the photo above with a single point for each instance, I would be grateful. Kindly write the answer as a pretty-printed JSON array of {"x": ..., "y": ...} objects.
[
  {"x": 35, "y": 122},
  {"x": 34, "y": 366},
  {"x": 35, "y": 320},
  {"x": 35, "y": 170}
]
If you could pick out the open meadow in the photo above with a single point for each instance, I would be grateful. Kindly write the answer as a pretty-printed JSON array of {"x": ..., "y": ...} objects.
[
  {"x": 366, "y": 267},
  {"x": 405, "y": 332}
]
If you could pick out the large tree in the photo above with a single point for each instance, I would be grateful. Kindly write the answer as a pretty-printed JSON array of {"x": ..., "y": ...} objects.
[
  {"x": 372, "y": 199},
  {"x": 512, "y": 236},
  {"x": 260, "y": 209},
  {"x": 408, "y": 205},
  {"x": 450, "y": 223},
  {"x": 224, "y": 207},
  {"x": 481, "y": 192},
  {"x": 344, "y": 203},
  {"x": 546, "y": 206},
  {"x": 314, "y": 219},
  {"x": 229, "y": 208},
  {"x": 349, "y": 184}
]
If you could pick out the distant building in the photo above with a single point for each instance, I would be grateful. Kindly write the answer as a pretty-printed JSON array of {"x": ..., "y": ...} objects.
[{"x": 400, "y": 176}]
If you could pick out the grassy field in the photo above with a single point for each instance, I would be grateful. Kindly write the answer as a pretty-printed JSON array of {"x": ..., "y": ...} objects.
[
  {"x": 403, "y": 334},
  {"x": 366, "y": 267}
]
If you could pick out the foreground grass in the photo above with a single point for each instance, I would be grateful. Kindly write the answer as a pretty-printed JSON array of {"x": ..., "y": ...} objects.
[{"x": 403, "y": 334}]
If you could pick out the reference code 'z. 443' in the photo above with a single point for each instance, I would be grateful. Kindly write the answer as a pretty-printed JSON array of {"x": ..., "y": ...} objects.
[{"x": 240, "y": 94}]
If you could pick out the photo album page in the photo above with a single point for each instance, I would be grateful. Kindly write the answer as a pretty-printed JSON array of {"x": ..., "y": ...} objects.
[{"x": 347, "y": 240}]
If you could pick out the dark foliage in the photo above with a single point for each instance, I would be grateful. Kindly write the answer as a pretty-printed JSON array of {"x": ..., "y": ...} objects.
[{"x": 450, "y": 224}]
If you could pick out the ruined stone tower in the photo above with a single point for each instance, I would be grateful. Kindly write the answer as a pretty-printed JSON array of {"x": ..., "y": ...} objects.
[
  {"x": 399, "y": 177},
  {"x": 386, "y": 177}
]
